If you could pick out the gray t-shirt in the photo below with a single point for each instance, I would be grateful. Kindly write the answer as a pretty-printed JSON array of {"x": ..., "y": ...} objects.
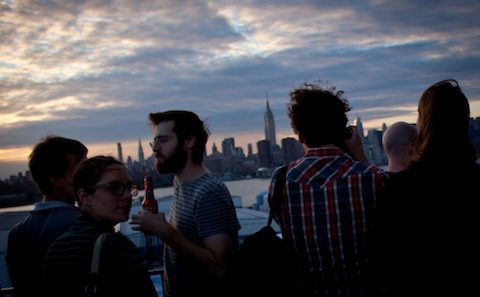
[{"x": 200, "y": 208}]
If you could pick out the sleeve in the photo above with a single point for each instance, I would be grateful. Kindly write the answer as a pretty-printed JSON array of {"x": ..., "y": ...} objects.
[
  {"x": 215, "y": 212},
  {"x": 271, "y": 186},
  {"x": 276, "y": 191}
]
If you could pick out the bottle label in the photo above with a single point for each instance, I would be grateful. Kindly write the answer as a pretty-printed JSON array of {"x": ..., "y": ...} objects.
[{"x": 151, "y": 208}]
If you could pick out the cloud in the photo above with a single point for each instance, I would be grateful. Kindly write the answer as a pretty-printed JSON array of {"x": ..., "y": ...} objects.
[{"x": 94, "y": 69}]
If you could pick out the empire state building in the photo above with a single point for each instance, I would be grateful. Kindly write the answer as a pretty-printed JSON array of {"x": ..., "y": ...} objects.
[{"x": 270, "y": 126}]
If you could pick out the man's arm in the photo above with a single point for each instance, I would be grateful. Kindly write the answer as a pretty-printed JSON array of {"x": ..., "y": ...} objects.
[{"x": 213, "y": 255}]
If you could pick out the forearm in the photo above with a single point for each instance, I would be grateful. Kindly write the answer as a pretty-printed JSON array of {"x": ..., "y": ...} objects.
[{"x": 214, "y": 261}]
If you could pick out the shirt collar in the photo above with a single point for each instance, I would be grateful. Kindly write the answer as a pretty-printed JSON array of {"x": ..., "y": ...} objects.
[
  {"x": 52, "y": 204},
  {"x": 324, "y": 151}
]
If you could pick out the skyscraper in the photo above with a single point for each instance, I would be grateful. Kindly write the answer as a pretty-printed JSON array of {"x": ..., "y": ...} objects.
[
  {"x": 228, "y": 145},
  {"x": 270, "y": 126},
  {"x": 120, "y": 151},
  {"x": 141, "y": 157},
  {"x": 215, "y": 150},
  {"x": 265, "y": 157},
  {"x": 250, "y": 149},
  {"x": 360, "y": 128},
  {"x": 292, "y": 149}
]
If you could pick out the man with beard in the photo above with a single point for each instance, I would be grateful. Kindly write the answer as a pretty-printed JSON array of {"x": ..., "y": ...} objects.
[{"x": 202, "y": 233}]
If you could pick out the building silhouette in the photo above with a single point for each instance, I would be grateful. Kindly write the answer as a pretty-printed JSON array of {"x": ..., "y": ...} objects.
[
  {"x": 215, "y": 150},
  {"x": 249, "y": 150},
  {"x": 375, "y": 151},
  {"x": 228, "y": 146},
  {"x": 359, "y": 125},
  {"x": 292, "y": 149},
  {"x": 141, "y": 157},
  {"x": 120, "y": 151},
  {"x": 270, "y": 126},
  {"x": 265, "y": 156}
]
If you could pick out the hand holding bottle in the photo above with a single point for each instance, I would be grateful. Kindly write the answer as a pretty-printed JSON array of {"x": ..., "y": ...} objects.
[{"x": 150, "y": 222}]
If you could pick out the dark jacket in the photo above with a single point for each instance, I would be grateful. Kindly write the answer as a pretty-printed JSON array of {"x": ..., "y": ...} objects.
[
  {"x": 427, "y": 228},
  {"x": 29, "y": 240},
  {"x": 121, "y": 271}
]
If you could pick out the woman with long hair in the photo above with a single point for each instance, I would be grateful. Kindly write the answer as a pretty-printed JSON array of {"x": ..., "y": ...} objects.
[{"x": 427, "y": 221}]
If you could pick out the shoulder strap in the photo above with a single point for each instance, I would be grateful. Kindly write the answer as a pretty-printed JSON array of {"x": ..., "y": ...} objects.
[
  {"x": 96, "y": 252},
  {"x": 275, "y": 199},
  {"x": 91, "y": 287}
]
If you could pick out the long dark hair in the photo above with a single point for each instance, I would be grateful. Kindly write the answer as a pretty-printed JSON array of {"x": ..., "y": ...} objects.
[{"x": 443, "y": 119}]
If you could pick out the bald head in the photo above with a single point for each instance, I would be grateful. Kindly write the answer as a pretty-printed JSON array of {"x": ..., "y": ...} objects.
[{"x": 399, "y": 144}]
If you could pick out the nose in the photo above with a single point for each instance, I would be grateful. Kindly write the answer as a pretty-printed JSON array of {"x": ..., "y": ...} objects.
[{"x": 155, "y": 147}]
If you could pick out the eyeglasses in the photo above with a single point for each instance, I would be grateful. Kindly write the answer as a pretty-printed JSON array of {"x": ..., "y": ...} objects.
[
  {"x": 116, "y": 187},
  {"x": 160, "y": 140}
]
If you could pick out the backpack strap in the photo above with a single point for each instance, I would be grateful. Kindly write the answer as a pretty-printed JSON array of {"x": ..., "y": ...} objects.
[
  {"x": 275, "y": 199},
  {"x": 91, "y": 286}
]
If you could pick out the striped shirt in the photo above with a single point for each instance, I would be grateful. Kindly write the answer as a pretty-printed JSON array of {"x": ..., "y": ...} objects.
[
  {"x": 326, "y": 213},
  {"x": 200, "y": 208},
  {"x": 67, "y": 264}
]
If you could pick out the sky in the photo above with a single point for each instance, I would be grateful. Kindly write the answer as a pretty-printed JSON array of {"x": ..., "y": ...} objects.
[{"x": 93, "y": 70}]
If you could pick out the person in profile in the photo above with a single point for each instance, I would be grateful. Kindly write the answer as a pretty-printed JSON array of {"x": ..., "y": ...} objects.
[
  {"x": 399, "y": 143},
  {"x": 327, "y": 210},
  {"x": 201, "y": 236},
  {"x": 428, "y": 220},
  {"x": 103, "y": 191},
  {"x": 51, "y": 164}
]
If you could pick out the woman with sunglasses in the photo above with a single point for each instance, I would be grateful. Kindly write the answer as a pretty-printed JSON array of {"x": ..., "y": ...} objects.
[
  {"x": 103, "y": 191},
  {"x": 428, "y": 221}
]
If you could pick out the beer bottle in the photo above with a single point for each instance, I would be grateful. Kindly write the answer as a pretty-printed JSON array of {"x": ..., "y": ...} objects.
[
  {"x": 149, "y": 202},
  {"x": 153, "y": 244}
]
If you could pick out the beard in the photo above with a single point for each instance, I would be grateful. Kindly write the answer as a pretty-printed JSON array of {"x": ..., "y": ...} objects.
[{"x": 173, "y": 164}]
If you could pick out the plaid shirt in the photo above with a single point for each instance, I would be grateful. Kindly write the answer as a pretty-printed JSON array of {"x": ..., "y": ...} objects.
[{"x": 326, "y": 213}]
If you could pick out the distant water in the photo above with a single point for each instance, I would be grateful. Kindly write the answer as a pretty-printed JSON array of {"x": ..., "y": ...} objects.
[{"x": 248, "y": 189}]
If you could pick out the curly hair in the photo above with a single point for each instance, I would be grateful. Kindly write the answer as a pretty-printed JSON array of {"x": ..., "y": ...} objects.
[{"x": 318, "y": 115}]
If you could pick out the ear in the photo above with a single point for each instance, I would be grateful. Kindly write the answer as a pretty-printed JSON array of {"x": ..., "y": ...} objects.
[
  {"x": 83, "y": 197},
  {"x": 300, "y": 138},
  {"x": 189, "y": 143},
  {"x": 56, "y": 181}
]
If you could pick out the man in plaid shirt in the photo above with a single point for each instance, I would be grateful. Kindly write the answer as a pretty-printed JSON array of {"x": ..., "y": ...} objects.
[{"x": 328, "y": 201}]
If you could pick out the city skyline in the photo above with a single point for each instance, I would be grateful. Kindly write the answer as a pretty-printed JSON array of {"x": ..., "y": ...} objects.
[
  {"x": 269, "y": 130},
  {"x": 93, "y": 71},
  {"x": 368, "y": 136}
]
